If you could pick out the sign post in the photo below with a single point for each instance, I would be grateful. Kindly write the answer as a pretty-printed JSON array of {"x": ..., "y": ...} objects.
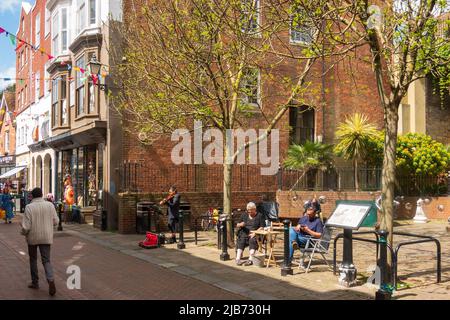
[{"x": 349, "y": 217}]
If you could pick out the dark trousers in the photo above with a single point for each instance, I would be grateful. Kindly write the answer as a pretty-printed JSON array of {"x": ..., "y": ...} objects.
[
  {"x": 44, "y": 249},
  {"x": 172, "y": 225},
  {"x": 245, "y": 241}
]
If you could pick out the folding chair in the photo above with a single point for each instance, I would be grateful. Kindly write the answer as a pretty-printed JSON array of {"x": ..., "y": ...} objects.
[{"x": 316, "y": 246}]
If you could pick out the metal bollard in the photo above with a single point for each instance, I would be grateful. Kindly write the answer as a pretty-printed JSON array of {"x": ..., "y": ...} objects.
[
  {"x": 286, "y": 267},
  {"x": 180, "y": 244},
  {"x": 385, "y": 291},
  {"x": 60, "y": 206},
  {"x": 224, "y": 256}
]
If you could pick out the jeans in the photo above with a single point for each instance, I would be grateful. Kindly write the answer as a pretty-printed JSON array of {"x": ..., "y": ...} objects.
[
  {"x": 44, "y": 249},
  {"x": 297, "y": 237}
]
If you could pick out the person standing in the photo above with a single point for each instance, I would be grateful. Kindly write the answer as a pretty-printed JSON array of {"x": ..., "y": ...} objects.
[
  {"x": 8, "y": 205},
  {"x": 173, "y": 203},
  {"x": 38, "y": 221}
]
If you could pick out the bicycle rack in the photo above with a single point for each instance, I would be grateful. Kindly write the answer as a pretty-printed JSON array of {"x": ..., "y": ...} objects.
[{"x": 394, "y": 253}]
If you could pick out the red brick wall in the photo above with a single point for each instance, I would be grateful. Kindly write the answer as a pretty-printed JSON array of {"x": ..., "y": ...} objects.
[
  {"x": 431, "y": 209},
  {"x": 39, "y": 59},
  {"x": 10, "y": 101},
  {"x": 23, "y": 70},
  {"x": 291, "y": 208}
]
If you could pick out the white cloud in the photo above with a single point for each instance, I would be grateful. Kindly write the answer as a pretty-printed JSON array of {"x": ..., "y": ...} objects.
[
  {"x": 8, "y": 73},
  {"x": 9, "y": 5}
]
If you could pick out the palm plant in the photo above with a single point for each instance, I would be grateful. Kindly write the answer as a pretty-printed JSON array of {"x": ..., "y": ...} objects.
[
  {"x": 354, "y": 136},
  {"x": 308, "y": 156}
]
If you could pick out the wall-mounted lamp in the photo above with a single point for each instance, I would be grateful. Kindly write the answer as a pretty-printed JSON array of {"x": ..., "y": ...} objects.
[{"x": 94, "y": 68}]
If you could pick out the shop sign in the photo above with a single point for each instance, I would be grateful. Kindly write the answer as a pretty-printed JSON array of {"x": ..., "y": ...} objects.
[{"x": 7, "y": 160}]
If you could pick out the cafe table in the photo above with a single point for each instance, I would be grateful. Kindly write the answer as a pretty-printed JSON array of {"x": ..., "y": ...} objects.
[{"x": 270, "y": 236}]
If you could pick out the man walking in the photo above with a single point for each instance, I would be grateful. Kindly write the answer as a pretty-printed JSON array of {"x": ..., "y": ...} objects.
[{"x": 39, "y": 219}]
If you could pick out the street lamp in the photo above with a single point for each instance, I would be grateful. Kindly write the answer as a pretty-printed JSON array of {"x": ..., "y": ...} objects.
[{"x": 94, "y": 68}]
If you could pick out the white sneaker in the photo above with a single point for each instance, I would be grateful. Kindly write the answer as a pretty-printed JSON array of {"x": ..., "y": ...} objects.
[{"x": 239, "y": 262}]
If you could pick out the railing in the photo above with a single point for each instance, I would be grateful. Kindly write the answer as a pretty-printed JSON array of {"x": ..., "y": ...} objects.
[
  {"x": 334, "y": 179},
  {"x": 138, "y": 176}
]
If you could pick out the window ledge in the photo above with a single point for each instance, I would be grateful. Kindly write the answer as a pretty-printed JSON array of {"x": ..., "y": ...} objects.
[
  {"x": 86, "y": 116},
  {"x": 61, "y": 127}
]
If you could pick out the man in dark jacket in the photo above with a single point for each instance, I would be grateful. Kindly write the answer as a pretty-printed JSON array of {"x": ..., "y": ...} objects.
[
  {"x": 249, "y": 221},
  {"x": 173, "y": 203}
]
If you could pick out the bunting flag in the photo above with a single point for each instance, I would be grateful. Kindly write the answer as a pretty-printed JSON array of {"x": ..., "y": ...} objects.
[
  {"x": 13, "y": 39},
  {"x": 20, "y": 45},
  {"x": 94, "y": 79}
]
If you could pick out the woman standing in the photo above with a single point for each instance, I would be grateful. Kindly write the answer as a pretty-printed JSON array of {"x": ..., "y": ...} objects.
[{"x": 8, "y": 205}]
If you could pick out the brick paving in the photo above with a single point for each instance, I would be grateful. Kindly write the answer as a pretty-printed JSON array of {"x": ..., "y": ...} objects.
[
  {"x": 110, "y": 259},
  {"x": 105, "y": 273}
]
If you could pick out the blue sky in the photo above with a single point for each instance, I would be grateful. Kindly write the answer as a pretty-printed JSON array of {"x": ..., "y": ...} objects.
[{"x": 9, "y": 20}]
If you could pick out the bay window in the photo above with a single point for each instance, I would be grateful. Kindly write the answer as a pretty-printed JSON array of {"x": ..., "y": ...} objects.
[{"x": 80, "y": 94}]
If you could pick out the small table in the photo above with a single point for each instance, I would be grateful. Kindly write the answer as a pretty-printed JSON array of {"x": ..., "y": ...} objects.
[{"x": 271, "y": 237}]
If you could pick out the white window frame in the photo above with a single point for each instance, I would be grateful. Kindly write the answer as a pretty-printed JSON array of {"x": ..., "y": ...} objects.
[
  {"x": 37, "y": 30},
  {"x": 48, "y": 19},
  {"x": 95, "y": 12},
  {"x": 245, "y": 98},
  {"x": 81, "y": 16},
  {"x": 7, "y": 142},
  {"x": 295, "y": 35},
  {"x": 254, "y": 31},
  {"x": 37, "y": 86},
  {"x": 55, "y": 34},
  {"x": 62, "y": 30}
]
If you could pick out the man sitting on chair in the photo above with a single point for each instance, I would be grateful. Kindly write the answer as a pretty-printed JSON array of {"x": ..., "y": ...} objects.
[
  {"x": 249, "y": 221},
  {"x": 309, "y": 226}
]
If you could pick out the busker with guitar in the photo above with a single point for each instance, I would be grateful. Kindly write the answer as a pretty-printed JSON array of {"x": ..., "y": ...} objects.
[{"x": 173, "y": 203}]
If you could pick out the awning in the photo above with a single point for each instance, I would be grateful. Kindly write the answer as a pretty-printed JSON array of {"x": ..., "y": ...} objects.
[{"x": 12, "y": 172}]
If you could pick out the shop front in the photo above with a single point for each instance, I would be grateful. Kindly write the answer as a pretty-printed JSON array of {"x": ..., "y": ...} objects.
[{"x": 79, "y": 172}]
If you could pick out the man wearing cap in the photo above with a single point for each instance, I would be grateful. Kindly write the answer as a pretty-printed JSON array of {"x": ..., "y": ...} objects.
[{"x": 308, "y": 226}]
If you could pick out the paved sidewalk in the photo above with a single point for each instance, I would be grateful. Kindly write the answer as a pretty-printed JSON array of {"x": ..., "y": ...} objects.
[
  {"x": 416, "y": 270},
  {"x": 201, "y": 262},
  {"x": 105, "y": 273}
]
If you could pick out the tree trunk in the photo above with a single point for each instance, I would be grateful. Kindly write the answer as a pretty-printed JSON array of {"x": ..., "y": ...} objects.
[
  {"x": 356, "y": 175},
  {"x": 227, "y": 179},
  {"x": 388, "y": 174}
]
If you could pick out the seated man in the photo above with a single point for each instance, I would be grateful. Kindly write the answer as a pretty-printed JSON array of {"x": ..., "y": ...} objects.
[
  {"x": 249, "y": 221},
  {"x": 309, "y": 226}
]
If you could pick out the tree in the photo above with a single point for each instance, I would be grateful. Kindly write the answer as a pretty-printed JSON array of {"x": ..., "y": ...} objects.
[
  {"x": 406, "y": 44},
  {"x": 309, "y": 156},
  {"x": 189, "y": 60},
  {"x": 354, "y": 137}
]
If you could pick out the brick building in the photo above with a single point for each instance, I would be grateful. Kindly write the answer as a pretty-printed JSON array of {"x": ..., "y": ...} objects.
[
  {"x": 347, "y": 89},
  {"x": 7, "y": 133}
]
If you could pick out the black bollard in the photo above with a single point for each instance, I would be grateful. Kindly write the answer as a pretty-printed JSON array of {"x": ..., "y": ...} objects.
[
  {"x": 224, "y": 256},
  {"x": 286, "y": 267},
  {"x": 60, "y": 206},
  {"x": 180, "y": 244},
  {"x": 347, "y": 270},
  {"x": 385, "y": 291}
]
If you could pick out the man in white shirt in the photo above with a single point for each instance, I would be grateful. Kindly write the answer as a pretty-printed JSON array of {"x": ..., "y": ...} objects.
[{"x": 38, "y": 221}]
